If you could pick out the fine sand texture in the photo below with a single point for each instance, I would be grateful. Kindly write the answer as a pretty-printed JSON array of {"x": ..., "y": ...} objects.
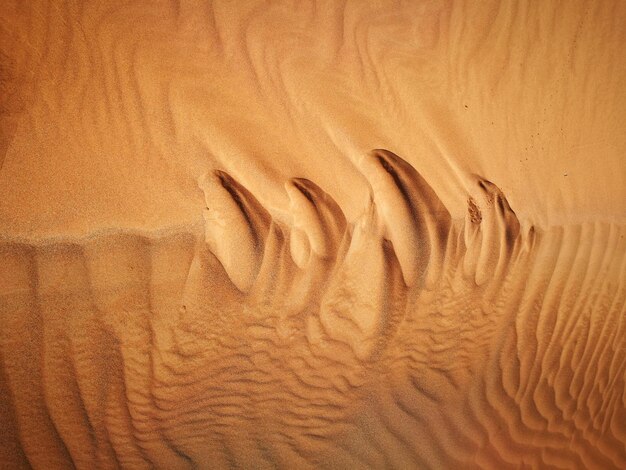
[{"x": 312, "y": 234}]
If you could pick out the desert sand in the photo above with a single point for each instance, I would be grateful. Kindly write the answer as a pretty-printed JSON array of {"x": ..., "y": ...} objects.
[{"x": 330, "y": 234}]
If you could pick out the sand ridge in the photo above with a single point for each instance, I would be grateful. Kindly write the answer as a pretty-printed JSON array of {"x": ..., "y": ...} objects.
[
  {"x": 204, "y": 264},
  {"x": 154, "y": 353}
]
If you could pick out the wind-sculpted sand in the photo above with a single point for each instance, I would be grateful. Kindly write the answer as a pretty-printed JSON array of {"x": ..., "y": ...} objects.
[
  {"x": 204, "y": 265},
  {"x": 402, "y": 340}
]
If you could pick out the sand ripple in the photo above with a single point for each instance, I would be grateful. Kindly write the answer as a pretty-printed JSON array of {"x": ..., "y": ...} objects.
[{"x": 403, "y": 339}]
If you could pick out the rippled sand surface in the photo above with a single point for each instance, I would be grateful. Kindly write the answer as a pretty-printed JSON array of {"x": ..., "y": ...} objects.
[{"x": 312, "y": 234}]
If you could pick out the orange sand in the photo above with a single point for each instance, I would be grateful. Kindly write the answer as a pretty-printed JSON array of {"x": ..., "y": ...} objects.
[{"x": 205, "y": 264}]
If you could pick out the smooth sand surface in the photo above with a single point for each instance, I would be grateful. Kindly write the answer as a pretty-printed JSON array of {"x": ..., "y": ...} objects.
[{"x": 312, "y": 234}]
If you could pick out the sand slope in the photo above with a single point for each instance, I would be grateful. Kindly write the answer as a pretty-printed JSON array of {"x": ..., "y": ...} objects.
[
  {"x": 258, "y": 344},
  {"x": 204, "y": 264},
  {"x": 124, "y": 104}
]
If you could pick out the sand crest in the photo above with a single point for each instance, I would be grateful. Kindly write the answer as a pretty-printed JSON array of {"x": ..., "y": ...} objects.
[{"x": 312, "y": 235}]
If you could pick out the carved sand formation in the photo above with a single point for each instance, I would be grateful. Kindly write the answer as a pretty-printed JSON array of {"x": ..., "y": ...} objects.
[{"x": 203, "y": 264}]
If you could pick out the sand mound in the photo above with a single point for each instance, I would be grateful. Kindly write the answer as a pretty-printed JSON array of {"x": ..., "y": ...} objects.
[{"x": 204, "y": 264}]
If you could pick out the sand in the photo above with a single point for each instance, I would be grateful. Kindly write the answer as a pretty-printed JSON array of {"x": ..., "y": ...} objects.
[{"x": 312, "y": 234}]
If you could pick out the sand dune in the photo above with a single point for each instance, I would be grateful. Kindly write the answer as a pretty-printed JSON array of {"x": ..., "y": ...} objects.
[{"x": 312, "y": 234}]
